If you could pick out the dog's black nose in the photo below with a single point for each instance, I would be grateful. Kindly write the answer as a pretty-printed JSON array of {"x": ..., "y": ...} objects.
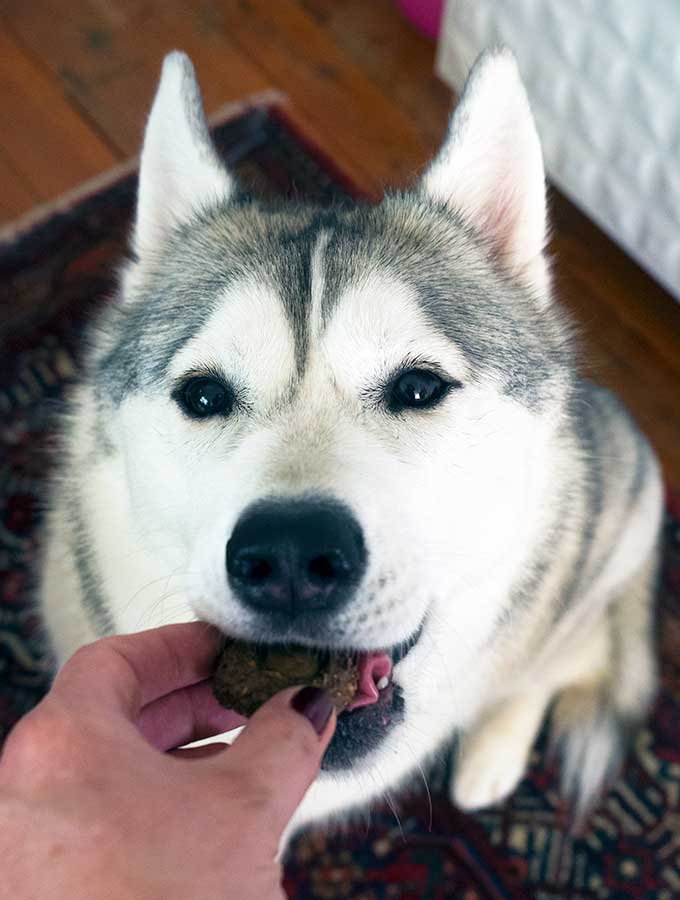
[{"x": 295, "y": 556}]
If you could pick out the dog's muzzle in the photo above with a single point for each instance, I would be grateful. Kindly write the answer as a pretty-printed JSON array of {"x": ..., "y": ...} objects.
[
  {"x": 296, "y": 562},
  {"x": 360, "y": 731}
]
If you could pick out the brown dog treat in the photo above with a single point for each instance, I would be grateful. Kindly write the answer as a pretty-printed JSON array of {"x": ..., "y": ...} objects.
[{"x": 247, "y": 676}]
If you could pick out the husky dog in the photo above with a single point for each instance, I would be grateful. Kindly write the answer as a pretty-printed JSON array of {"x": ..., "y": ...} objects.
[{"x": 362, "y": 427}]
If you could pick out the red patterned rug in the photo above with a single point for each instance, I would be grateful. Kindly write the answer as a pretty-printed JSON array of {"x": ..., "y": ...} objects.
[{"x": 53, "y": 276}]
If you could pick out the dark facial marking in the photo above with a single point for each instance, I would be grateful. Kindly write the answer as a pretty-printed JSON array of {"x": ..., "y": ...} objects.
[
  {"x": 93, "y": 592},
  {"x": 490, "y": 317},
  {"x": 272, "y": 246}
]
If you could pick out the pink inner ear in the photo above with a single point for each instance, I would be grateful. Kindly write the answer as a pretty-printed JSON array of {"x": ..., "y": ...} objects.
[
  {"x": 499, "y": 221},
  {"x": 491, "y": 168}
]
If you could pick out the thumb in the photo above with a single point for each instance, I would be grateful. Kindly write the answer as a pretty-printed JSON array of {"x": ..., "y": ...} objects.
[{"x": 281, "y": 749}]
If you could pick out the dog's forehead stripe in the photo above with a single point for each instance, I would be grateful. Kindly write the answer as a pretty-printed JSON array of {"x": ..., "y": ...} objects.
[{"x": 292, "y": 279}]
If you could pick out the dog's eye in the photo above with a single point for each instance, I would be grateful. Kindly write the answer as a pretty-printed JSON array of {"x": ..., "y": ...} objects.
[
  {"x": 416, "y": 389},
  {"x": 204, "y": 397}
]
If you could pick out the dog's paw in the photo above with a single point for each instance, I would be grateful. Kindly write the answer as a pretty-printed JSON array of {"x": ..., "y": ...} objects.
[
  {"x": 494, "y": 754},
  {"x": 488, "y": 769}
]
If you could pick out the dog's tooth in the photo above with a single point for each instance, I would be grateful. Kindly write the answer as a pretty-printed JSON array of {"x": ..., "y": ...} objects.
[{"x": 382, "y": 683}]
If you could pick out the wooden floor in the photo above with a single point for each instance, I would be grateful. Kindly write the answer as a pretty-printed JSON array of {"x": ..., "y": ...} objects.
[{"x": 77, "y": 78}]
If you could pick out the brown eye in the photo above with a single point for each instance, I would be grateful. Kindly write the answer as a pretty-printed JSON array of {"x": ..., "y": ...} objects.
[
  {"x": 202, "y": 398},
  {"x": 416, "y": 389}
]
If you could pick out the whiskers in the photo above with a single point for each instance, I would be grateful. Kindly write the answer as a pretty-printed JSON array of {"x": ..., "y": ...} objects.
[
  {"x": 392, "y": 806},
  {"x": 169, "y": 610},
  {"x": 421, "y": 772}
]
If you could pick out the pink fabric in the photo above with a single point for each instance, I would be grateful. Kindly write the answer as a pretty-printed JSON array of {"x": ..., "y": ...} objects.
[{"x": 426, "y": 15}]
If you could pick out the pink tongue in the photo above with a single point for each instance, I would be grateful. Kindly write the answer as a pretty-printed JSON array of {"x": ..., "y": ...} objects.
[{"x": 372, "y": 667}]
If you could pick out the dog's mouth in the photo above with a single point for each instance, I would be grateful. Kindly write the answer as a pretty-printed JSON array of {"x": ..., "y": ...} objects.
[
  {"x": 375, "y": 671},
  {"x": 374, "y": 675},
  {"x": 378, "y": 706}
]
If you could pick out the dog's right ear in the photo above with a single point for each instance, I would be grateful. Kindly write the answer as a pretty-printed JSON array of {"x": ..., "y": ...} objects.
[
  {"x": 180, "y": 172},
  {"x": 490, "y": 167}
]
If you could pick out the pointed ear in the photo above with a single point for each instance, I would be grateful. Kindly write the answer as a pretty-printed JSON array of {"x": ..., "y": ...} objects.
[
  {"x": 490, "y": 167},
  {"x": 179, "y": 171}
]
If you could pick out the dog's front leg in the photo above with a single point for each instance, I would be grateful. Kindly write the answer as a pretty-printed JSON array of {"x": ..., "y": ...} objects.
[{"x": 493, "y": 755}]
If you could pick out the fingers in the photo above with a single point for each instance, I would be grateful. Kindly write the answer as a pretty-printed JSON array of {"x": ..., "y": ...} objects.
[
  {"x": 188, "y": 714},
  {"x": 279, "y": 752},
  {"x": 126, "y": 672}
]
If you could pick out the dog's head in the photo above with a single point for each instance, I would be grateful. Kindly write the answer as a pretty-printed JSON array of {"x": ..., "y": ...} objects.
[{"x": 337, "y": 417}]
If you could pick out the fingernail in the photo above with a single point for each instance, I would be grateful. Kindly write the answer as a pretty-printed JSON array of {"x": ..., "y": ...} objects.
[{"x": 314, "y": 704}]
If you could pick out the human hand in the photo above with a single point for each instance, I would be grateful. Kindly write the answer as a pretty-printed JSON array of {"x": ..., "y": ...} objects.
[{"x": 92, "y": 805}]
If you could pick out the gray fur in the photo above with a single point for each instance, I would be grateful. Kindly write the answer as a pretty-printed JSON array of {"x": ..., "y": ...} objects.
[
  {"x": 585, "y": 423},
  {"x": 597, "y": 422},
  {"x": 94, "y": 599},
  {"x": 200, "y": 261},
  {"x": 490, "y": 317}
]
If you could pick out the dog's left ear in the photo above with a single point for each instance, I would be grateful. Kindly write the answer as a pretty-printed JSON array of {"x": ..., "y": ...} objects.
[
  {"x": 180, "y": 172},
  {"x": 490, "y": 167}
]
